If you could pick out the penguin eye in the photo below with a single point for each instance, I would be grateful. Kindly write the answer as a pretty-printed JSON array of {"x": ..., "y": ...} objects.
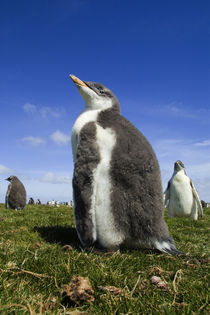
[{"x": 100, "y": 90}]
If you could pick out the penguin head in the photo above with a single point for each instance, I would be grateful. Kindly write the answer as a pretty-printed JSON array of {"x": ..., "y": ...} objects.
[
  {"x": 178, "y": 166},
  {"x": 11, "y": 178},
  {"x": 95, "y": 95}
]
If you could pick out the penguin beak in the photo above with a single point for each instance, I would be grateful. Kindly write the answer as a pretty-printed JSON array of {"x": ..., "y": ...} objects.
[
  {"x": 77, "y": 81},
  {"x": 7, "y": 178}
]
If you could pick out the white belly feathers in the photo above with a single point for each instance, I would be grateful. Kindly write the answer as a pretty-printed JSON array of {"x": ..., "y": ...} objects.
[
  {"x": 181, "y": 200},
  {"x": 7, "y": 195},
  {"x": 101, "y": 212},
  {"x": 105, "y": 227}
]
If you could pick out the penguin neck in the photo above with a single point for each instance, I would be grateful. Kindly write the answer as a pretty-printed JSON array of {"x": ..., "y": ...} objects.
[
  {"x": 179, "y": 173},
  {"x": 98, "y": 103},
  {"x": 101, "y": 104},
  {"x": 90, "y": 113}
]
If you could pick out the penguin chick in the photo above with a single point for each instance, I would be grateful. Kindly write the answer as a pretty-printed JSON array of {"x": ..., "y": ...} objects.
[
  {"x": 181, "y": 196},
  {"x": 117, "y": 187},
  {"x": 16, "y": 194}
]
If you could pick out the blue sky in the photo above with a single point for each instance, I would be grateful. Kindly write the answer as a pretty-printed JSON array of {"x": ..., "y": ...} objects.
[{"x": 154, "y": 55}]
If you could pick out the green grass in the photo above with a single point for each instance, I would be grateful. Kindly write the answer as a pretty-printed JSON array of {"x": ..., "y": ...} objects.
[{"x": 34, "y": 267}]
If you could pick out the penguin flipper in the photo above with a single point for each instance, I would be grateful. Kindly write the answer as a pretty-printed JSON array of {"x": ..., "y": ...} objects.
[
  {"x": 83, "y": 212},
  {"x": 197, "y": 198},
  {"x": 85, "y": 226},
  {"x": 166, "y": 195}
]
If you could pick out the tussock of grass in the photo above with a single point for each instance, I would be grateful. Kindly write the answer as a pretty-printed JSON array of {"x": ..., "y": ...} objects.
[{"x": 34, "y": 266}]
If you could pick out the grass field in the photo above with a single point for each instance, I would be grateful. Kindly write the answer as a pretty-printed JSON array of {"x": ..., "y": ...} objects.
[{"x": 34, "y": 266}]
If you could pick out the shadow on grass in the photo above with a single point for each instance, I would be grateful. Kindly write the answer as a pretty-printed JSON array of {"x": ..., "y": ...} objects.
[
  {"x": 64, "y": 235},
  {"x": 59, "y": 234}
]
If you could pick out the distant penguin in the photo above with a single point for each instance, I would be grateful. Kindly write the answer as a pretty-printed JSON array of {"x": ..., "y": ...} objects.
[
  {"x": 16, "y": 194},
  {"x": 203, "y": 203},
  {"x": 38, "y": 202},
  {"x": 116, "y": 183},
  {"x": 31, "y": 201},
  {"x": 182, "y": 198}
]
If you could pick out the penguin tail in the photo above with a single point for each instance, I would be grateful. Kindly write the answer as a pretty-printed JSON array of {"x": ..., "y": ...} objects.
[{"x": 167, "y": 246}]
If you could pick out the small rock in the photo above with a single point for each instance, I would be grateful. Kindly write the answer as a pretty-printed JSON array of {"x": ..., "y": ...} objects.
[
  {"x": 162, "y": 285},
  {"x": 155, "y": 280},
  {"x": 159, "y": 283}
]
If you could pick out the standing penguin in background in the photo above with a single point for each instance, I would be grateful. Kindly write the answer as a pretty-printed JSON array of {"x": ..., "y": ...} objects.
[
  {"x": 181, "y": 195},
  {"x": 16, "y": 194},
  {"x": 31, "y": 201},
  {"x": 38, "y": 202},
  {"x": 116, "y": 183}
]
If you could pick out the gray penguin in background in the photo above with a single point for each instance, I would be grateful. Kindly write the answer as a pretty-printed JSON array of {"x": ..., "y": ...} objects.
[
  {"x": 16, "y": 194},
  {"x": 181, "y": 195},
  {"x": 117, "y": 187}
]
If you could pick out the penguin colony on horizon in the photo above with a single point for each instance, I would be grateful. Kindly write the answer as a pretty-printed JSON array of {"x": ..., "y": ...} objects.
[
  {"x": 117, "y": 191},
  {"x": 182, "y": 198}
]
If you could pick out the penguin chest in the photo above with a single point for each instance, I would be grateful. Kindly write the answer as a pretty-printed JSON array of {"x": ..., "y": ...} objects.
[
  {"x": 107, "y": 234},
  {"x": 89, "y": 138},
  {"x": 181, "y": 197},
  {"x": 84, "y": 118},
  {"x": 7, "y": 196}
]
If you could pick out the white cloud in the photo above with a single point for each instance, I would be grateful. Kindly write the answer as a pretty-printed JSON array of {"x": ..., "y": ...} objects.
[
  {"x": 43, "y": 111},
  {"x": 46, "y": 111},
  {"x": 176, "y": 109},
  {"x": 50, "y": 177},
  {"x": 181, "y": 149},
  {"x": 180, "y": 110},
  {"x": 203, "y": 143},
  {"x": 60, "y": 138},
  {"x": 4, "y": 169},
  {"x": 35, "y": 141},
  {"x": 29, "y": 108}
]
